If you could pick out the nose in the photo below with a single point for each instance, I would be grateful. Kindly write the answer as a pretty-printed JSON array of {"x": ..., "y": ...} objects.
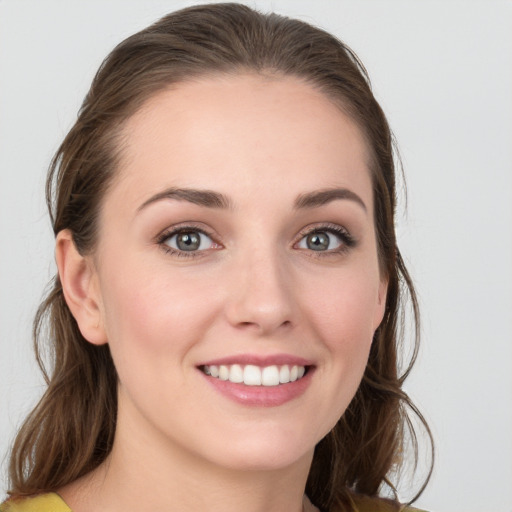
[{"x": 261, "y": 297}]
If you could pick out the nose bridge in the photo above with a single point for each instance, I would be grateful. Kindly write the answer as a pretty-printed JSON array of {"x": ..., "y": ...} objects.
[{"x": 262, "y": 296}]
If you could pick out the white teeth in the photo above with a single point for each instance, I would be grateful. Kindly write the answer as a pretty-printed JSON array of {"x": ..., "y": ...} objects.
[
  {"x": 223, "y": 372},
  {"x": 252, "y": 375},
  {"x": 236, "y": 374},
  {"x": 270, "y": 376},
  {"x": 284, "y": 374}
]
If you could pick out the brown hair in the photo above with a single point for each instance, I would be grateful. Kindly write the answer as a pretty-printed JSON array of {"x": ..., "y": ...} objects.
[{"x": 71, "y": 430}]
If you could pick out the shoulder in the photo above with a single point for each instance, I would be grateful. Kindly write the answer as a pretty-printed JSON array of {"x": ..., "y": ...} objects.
[
  {"x": 49, "y": 502},
  {"x": 368, "y": 504}
]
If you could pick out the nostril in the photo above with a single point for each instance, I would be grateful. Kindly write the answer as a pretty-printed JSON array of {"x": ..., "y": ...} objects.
[{"x": 258, "y": 326}]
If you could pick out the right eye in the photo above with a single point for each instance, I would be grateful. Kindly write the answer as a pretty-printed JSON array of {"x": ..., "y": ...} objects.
[
  {"x": 321, "y": 241},
  {"x": 187, "y": 241}
]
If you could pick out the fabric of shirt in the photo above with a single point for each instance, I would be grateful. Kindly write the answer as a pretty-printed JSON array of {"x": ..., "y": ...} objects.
[{"x": 52, "y": 502}]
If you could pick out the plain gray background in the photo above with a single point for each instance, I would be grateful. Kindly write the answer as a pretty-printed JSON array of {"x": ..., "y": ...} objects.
[{"x": 442, "y": 71}]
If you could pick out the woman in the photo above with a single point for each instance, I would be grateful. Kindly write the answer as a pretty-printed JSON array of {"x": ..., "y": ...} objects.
[{"x": 225, "y": 320}]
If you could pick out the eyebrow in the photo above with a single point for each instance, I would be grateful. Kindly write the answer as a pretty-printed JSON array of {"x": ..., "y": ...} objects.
[
  {"x": 207, "y": 198},
  {"x": 211, "y": 199},
  {"x": 321, "y": 197}
]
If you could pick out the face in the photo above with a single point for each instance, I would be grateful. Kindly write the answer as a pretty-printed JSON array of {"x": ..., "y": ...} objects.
[{"x": 236, "y": 272}]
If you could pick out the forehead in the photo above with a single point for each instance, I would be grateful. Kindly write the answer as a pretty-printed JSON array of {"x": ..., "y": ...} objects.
[{"x": 243, "y": 132}]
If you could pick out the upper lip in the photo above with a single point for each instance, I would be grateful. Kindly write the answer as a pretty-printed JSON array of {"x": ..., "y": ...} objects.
[{"x": 259, "y": 360}]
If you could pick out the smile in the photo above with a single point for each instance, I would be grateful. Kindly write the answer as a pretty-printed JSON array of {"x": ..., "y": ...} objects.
[{"x": 252, "y": 375}]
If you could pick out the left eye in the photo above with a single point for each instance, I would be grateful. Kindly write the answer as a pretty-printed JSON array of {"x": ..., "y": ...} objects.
[
  {"x": 189, "y": 241},
  {"x": 320, "y": 241}
]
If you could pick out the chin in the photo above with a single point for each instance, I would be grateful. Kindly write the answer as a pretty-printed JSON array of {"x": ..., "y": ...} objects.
[
  {"x": 272, "y": 452},
  {"x": 263, "y": 461}
]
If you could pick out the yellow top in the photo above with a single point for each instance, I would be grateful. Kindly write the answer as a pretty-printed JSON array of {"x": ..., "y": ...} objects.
[{"x": 52, "y": 502}]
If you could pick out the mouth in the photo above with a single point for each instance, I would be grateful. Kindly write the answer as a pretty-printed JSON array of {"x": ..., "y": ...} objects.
[{"x": 252, "y": 375}]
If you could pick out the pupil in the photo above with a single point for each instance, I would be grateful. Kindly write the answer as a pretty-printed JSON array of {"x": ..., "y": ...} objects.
[
  {"x": 318, "y": 241},
  {"x": 188, "y": 241}
]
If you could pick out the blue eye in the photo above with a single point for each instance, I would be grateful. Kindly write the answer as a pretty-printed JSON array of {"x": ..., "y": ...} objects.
[
  {"x": 188, "y": 241},
  {"x": 321, "y": 241}
]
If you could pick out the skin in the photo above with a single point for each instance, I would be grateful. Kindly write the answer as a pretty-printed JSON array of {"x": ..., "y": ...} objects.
[{"x": 255, "y": 288}]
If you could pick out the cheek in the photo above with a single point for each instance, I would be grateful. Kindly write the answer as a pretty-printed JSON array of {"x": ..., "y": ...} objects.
[
  {"x": 343, "y": 314},
  {"x": 344, "y": 307},
  {"x": 151, "y": 314}
]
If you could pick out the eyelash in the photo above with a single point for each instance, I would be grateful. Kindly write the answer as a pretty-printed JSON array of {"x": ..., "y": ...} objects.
[
  {"x": 176, "y": 230},
  {"x": 347, "y": 241}
]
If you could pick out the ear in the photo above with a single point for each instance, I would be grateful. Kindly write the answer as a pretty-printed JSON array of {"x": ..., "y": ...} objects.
[
  {"x": 381, "y": 303},
  {"x": 80, "y": 286}
]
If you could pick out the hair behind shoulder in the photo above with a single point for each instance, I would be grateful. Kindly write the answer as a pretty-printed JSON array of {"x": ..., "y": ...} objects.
[{"x": 71, "y": 430}]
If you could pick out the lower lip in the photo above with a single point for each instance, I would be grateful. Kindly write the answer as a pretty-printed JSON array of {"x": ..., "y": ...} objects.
[{"x": 261, "y": 396}]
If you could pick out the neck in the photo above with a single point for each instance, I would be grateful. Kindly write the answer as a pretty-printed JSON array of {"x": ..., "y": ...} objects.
[{"x": 149, "y": 475}]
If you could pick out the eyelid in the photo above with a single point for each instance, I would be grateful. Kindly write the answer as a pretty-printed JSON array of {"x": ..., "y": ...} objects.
[
  {"x": 346, "y": 238},
  {"x": 182, "y": 227},
  {"x": 347, "y": 241}
]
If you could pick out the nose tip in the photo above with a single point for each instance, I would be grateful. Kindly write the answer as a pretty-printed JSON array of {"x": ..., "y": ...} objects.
[
  {"x": 261, "y": 298},
  {"x": 265, "y": 322}
]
